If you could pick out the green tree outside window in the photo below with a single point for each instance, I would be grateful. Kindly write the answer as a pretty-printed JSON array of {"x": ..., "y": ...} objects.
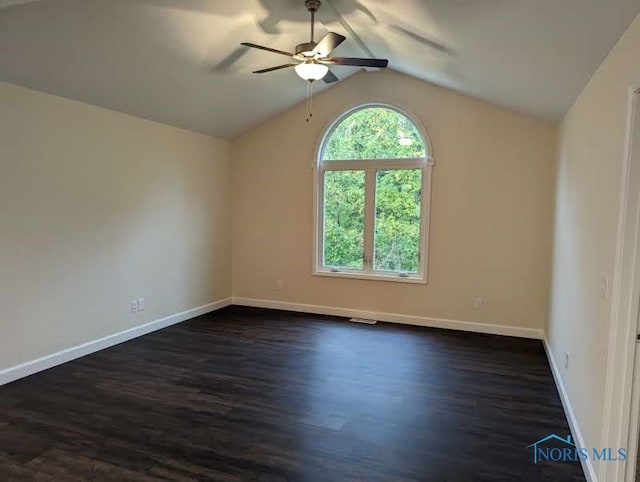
[{"x": 383, "y": 135}]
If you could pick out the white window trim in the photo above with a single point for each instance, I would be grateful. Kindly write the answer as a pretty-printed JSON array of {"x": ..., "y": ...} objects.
[{"x": 370, "y": 166}]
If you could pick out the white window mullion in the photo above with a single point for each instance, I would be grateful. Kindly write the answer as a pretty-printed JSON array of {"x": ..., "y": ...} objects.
[
  {"x": 369, "y": 215},
  {"x": 359, "y": 165}
]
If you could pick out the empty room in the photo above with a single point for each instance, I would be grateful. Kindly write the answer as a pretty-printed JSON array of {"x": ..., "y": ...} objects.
[{"x": 304, "y": 240}]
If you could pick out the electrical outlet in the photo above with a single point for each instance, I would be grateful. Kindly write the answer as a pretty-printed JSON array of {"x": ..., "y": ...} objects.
[
  {"x": 279, "y": 285},
  {"x": 140, "y": 304},
  {"x": 134, "y": 306},
  {"x": 566, "y": 361},
  {"x": 478, "y": 303}
]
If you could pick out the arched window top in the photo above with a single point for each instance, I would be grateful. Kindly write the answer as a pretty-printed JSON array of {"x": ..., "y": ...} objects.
[{"x": 373, "y": 132}]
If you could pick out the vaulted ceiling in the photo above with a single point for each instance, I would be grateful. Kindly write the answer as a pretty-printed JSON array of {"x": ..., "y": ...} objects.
[{"x": 179, "y": 61}]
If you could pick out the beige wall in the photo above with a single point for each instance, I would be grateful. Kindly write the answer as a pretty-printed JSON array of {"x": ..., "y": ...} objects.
[
  {"x": 96, "y": 209},
  {"x": 491, "y": 208},
  {"x": 591, "y": 150}
]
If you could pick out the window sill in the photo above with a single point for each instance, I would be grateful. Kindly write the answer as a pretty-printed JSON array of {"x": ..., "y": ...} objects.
[{"x": 371, "y": 277}]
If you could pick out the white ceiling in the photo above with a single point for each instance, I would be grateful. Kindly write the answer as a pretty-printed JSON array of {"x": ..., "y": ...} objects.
[{"x": 179, "y": 61}]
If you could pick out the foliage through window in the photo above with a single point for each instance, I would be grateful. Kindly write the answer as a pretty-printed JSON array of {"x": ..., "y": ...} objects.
[{"x": 373, "y": 179}]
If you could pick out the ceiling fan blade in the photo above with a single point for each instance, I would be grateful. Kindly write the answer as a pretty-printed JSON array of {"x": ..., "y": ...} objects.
[
  {"x": 355, "y": 62},
  {"x": 271, "y": 69},
  {"x": 268, "y": 49},
  {"x": 352, "y": 34},
  {"x": 330, "y": 78},
  {"x": 328, "y": 44}
]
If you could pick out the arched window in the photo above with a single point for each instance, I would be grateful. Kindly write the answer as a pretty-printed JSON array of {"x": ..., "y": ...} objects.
[{"x": 373, "y": 193}]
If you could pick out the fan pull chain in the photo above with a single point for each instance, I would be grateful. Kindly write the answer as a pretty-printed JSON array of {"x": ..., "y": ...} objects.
[{"x": 309, "y": 100}]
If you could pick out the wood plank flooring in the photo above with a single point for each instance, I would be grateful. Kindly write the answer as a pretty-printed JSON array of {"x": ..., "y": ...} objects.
[{"x": 262, "y": 395}]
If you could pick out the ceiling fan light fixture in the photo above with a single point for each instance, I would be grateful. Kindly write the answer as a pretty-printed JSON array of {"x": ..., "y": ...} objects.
[{"x": 311, "y": 71}]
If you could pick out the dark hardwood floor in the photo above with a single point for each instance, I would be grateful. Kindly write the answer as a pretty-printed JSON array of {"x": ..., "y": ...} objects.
[{"x": 249, "y": 394}]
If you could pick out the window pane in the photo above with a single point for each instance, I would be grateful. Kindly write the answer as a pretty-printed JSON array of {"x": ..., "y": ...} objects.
[
  {"x": 397, "y": 223},
  {"x": 374, "y": 133},
  {"x": 343, "y": 219}
]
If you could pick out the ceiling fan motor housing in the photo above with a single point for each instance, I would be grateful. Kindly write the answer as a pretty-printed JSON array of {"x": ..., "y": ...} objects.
[{"x": 312, "y": 5}]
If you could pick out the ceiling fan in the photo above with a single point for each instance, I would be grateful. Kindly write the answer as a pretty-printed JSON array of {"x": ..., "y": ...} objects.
[{"x": 311, "y": 60}]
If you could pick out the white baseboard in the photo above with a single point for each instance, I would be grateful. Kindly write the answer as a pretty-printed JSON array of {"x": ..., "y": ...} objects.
[
  {"x": 29, "y": 368},
  {"x": 587, "y": 465},
  {"x": 394, "y": 318}
]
